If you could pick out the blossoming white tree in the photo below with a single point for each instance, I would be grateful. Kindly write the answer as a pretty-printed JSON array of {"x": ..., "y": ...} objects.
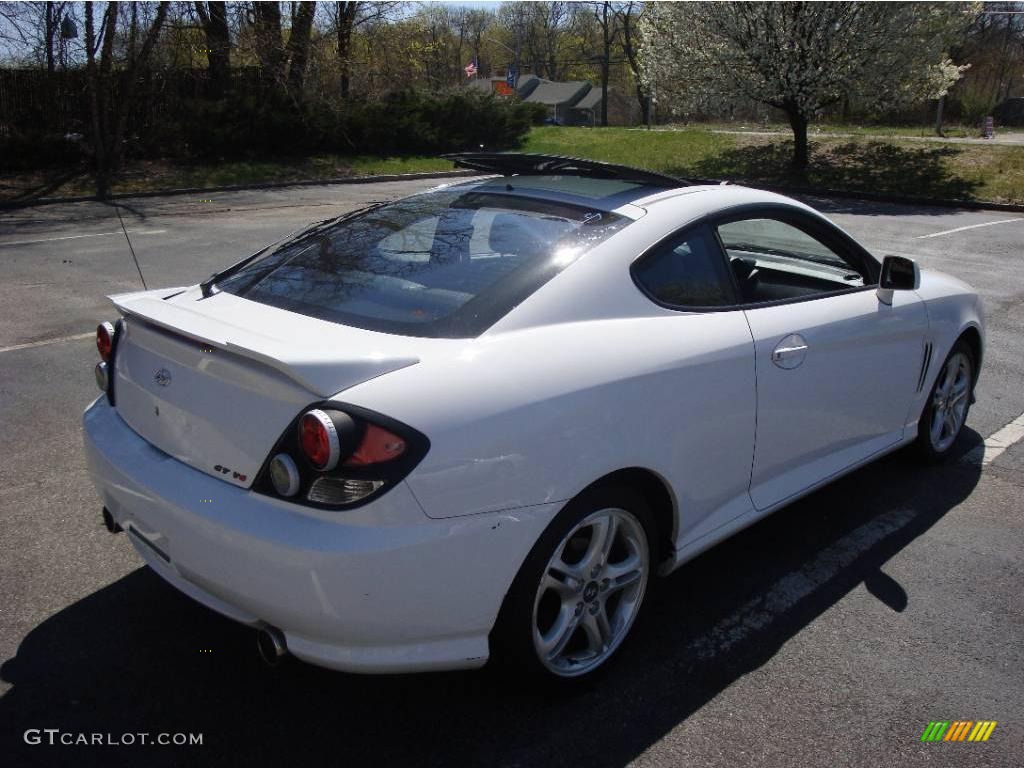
[{"x": 800, "y": 57}]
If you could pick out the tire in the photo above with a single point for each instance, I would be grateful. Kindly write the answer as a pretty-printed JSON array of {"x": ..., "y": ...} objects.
[
  {"x": 593, "y": 588},
  {"x": 949, "y": 402}
]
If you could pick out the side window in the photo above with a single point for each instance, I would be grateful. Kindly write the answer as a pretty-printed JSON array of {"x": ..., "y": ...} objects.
[
  {"x": 773, "y": 260},
  {"x": 687, "y": 272}
]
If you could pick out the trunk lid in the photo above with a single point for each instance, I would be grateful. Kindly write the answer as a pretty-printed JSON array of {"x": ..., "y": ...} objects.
[{"x": 214, "y": 382}]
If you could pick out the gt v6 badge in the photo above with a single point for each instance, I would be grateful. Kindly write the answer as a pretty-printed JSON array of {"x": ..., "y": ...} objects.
[
  {"x": 235, "y": 475},
  {"x": 162, "y": 377}
]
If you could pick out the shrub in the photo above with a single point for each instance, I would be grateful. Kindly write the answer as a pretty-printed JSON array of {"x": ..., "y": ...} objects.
[
  {"x": 404, "y": 122},
  {"x": 22, "y": 151}
]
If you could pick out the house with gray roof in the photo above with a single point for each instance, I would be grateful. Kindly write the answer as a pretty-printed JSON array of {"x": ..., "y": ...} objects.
[
  {"x": 585, "y": 111},
  {"x": 559, "y": 96},
  {"x": 572, "y": 103}
]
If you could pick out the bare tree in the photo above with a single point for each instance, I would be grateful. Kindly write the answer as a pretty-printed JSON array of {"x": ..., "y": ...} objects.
[
  {"x": 349, "y": 16},
  {"x": 606, "y": 20},
  {"x": 269, "y": 50},
  {"x": 214, "y": 19},
  {"x": 628, "y": 16},
  {"x": 298, "y": 45},
  {"x": 110, "y": 107}
]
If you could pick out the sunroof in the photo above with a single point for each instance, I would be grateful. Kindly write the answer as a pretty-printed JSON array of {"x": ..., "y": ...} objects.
[
  {"x": 579, "y": 186},
  {"x": 529, "y": 164}
]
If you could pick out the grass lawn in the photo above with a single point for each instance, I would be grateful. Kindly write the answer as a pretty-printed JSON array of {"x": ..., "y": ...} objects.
[
  {"x": 149, "y": 175},
  {"x": 871, "y": 163},
  {"x": 869, "y": 160},
  {"x": 951, "y": 130}
]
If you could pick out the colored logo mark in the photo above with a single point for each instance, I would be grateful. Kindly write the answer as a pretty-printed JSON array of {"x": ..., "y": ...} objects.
[{"x": 958, "y": 730}]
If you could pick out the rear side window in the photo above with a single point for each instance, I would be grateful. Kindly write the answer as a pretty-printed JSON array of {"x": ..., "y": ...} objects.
[
  {"x": 688, "y": 271},
  {"x": 444, "y": 264}
]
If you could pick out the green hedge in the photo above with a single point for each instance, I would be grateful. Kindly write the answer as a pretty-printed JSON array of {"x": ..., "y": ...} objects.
[
  {"x": 255, "y": 126},
  {"x": 405, "y": 122}
]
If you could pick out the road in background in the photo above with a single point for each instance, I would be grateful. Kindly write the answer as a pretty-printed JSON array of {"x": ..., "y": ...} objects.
[{"x": 830, "y": 633}]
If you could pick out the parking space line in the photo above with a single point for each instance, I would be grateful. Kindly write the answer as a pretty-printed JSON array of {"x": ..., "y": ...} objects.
[
  {"x": 969, "y": 226},
  {"x": 996, "y": 443},
  {"x": 758, "y": 613},
  {"x": 44, "y": 342},
  {"x": 76, "y": 237}
]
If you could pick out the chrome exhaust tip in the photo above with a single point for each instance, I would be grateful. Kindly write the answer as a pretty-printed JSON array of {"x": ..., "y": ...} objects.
[
  {"x": 271, "y": 645},
  {"x": 109, "y": 523}
]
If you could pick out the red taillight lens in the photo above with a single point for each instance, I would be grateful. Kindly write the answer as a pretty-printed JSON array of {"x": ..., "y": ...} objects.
[
  {"x": 377, "y": 445},
  {"x": 104, "y": 340},
  {"x": 318, "y": 439}
]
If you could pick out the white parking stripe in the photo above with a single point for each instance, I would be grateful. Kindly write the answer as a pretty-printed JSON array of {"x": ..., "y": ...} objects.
[
  {"x": 44, "y": 342},
  {"x": 969, "y": 226},
  {"x": 757, "y": 614},
  {"x": 76, "y": 237},
  {"x": 997, "y": 443}
]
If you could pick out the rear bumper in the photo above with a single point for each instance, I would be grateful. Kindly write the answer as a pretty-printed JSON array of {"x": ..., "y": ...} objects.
[{"x": 382, "y": 588}]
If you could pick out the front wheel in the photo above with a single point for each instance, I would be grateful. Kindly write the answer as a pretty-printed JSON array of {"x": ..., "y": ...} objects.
[
  {"x": 581, "y": 588},
  {"x": 947, "y": 407}
]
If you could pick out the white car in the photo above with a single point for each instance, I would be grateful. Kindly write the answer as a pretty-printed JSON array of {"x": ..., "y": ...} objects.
[{"x": 479, "y": 420}]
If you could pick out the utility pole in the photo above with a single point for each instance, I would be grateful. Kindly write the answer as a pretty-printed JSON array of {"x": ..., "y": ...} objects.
[{"x": 519, "y": 29}]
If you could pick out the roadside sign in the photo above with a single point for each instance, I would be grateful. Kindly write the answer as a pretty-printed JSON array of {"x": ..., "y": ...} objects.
[
  {"x": 503, "y": 89},
  {"x": 989, "y": 131}
]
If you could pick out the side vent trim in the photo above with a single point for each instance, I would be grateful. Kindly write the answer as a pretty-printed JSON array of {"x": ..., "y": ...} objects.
[{"x": 924, "y": 365}]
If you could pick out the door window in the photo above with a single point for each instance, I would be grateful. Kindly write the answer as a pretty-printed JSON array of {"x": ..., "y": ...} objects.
[{"x": 773, "y": 261}]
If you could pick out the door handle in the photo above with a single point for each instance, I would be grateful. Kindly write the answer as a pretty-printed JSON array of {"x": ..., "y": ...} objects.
[
  {"x": 790, "y": 352},
  {"x": 781, "y": 353}
]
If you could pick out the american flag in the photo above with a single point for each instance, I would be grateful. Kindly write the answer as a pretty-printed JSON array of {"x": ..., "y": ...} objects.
[{"x": 471, "y": 68}]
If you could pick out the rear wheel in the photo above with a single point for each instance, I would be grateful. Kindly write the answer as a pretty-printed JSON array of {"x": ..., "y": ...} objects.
[
  {"x": 947, "y": 407},
  {"x": 581, "y": 589}
]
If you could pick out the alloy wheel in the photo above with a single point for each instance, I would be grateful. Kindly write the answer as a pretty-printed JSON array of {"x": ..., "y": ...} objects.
[
  {"x": 950, "y": 401},
  {"x": 590, "y": 592}
]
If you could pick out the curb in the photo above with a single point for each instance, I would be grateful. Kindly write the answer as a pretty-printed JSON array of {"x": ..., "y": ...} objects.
[
  {"x": 786, "y": 190},
  {"x": 14, "y": 204}
]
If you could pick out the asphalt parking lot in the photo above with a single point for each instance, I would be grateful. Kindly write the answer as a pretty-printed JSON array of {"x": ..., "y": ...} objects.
[{"x": 828, "y": 634}]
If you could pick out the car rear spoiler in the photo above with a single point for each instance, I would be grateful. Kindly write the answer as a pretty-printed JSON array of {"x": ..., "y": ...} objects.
[{"x": 321, "y": 356}]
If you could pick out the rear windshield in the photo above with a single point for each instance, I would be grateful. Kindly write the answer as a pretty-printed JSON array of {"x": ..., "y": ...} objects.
[{"x": 444, "y": 264}]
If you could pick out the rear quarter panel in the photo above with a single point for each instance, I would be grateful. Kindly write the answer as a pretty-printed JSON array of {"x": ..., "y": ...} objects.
[{"x": 534, "y": 416}]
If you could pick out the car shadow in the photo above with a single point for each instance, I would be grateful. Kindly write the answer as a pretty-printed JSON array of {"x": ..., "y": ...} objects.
[
  {"x": 137, "y": 656},
  {"x": 856, "y": 167}
]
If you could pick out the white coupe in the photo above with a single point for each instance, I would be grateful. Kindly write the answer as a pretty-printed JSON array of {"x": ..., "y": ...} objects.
[{"x": 476, "y": 422}]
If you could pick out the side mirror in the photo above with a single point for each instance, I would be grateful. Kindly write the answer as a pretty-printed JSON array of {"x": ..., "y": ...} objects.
[{"x": 898, "y": 274}]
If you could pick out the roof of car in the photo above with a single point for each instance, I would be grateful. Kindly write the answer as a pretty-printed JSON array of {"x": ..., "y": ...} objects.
[
  {"x": 529, "y": 163},
  {"x": 603, "y": 186}
]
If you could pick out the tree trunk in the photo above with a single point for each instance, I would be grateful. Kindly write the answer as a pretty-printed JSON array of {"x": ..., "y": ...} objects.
[
  {"x": 346, "y": 23},
  {"x": 49, "y": 32},
  {"x": 645, "y": 104},
  {"x": 798, "y": 122},
  {"x": 298, "y": 47},
  {"x": 269, "y": 48},
  {"x": 99, "y": 86},
  {"x": 938, "y": 116},
  {"x": 605, "y": 62},
  {"x": 627, "y": 21},
  {"x": 110, "y": 111},
  {"x": 214, "y": 17}
]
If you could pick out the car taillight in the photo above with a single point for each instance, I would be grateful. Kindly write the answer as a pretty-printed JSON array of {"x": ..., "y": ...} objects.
[
  {"x": 351, "y": 455},
  {"x": 377, "y": 445},
  {"x": 105, "y": 340},
  {"x": 325, "y": 436},
  {"x": 319, "y": 440}
]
